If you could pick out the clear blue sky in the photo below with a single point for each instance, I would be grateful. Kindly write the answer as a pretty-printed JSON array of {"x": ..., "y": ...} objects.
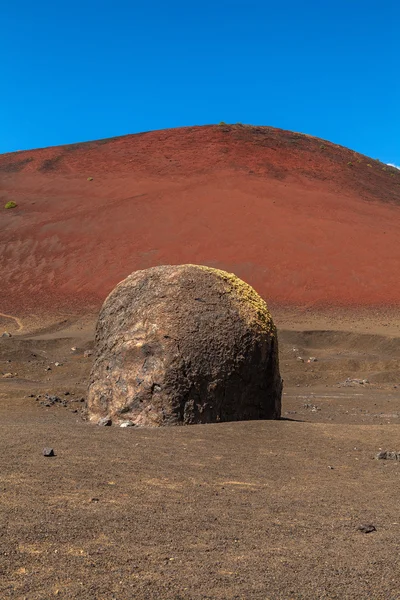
[{"x": 81, "y": 70}]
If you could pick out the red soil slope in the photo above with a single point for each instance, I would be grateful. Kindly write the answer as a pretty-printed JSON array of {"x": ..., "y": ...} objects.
[{"x": 306, "y": 222}]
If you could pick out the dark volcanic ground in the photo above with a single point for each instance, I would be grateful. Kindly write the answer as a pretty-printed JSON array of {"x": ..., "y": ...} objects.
[{"x": 249, "y": 510}]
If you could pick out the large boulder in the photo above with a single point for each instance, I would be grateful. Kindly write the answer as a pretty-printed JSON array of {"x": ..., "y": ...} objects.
[{"x": 184, "y": 344}]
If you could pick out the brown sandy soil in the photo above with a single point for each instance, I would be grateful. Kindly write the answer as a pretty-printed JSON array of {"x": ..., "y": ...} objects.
[
  {"x": 247, "y": 510},
  {"x": 306, "y": 222}
]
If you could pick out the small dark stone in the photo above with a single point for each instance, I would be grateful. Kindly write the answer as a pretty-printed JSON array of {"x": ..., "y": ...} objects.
[
  {"x": 66, "y": 393},
  {"x": 366, "y": 528},
  {"x": 48, "y": 452}
]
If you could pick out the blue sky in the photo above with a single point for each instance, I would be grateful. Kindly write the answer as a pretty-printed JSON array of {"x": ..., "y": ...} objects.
[{"x": 81, "y": 70}]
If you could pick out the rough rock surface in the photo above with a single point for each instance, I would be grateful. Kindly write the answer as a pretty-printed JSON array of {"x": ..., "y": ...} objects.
[{"x": 184, "y": 344}]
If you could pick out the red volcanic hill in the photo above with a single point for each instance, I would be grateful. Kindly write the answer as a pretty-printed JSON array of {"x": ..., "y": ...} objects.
[{"x": 306, "y": 222}]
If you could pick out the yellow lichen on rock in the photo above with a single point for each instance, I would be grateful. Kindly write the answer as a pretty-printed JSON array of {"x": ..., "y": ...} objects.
[{"x": 250, "y": 304}]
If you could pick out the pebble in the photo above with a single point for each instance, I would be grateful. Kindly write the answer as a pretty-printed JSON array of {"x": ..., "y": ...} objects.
[
  {"x": 48, "y": 452},
  {"x": 87, "y": 353},
  {"x": 104, "y": 422},
  {"x": 9, "y": 375},
  {"x": 6, "y": 334},
  {"x": 366, "y": 528},
  {"x": 126, "y": 424}
]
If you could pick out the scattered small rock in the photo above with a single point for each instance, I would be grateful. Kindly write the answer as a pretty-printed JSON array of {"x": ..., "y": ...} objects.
[
  {"x": 312, "y": 407},
  {"x": 351, "y": 382},
  {"x": 366, "y": 528},
  {"x": 300, "y": 359},
  {"x": 50, "y": 400},
  {"x": 87, "y": 353},
  {"x": 104, "y": 422},
  {"x": 312, "y": 359},
  {"x": 48, "y": 452},
  {"x": 6, "y": 334},
  {"x": 385, "y": 455},
  {"x": 58, "y": 364}
]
